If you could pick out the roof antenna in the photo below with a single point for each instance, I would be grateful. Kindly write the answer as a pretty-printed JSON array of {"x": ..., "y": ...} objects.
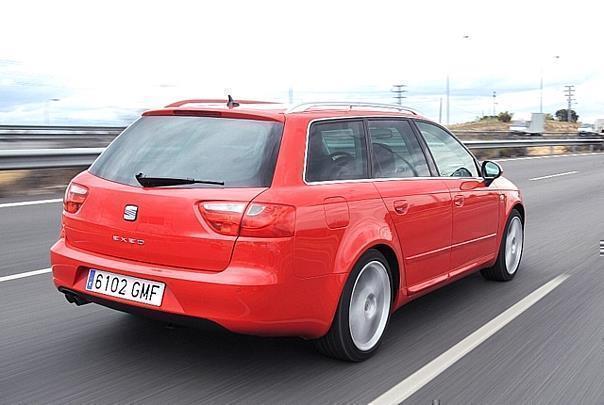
[{"x": 232, "y": 103}]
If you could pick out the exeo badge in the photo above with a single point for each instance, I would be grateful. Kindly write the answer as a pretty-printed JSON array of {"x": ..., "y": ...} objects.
[{"x": 132, "y": 241}]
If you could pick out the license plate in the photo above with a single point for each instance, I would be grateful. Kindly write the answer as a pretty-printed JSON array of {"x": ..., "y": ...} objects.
[{"x": 126, "y": 287}]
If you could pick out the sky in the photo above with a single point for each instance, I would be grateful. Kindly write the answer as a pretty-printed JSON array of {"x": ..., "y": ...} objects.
[{"x": 103, "y": 62}]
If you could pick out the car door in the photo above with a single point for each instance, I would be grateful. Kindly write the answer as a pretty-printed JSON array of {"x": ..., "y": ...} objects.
[
  {"x": 419, "y": 205},
  {"x": 475, "y": 206}
]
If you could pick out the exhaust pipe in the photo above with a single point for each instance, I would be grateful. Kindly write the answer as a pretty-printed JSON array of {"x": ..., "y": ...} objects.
[{"x": 74, "y": 298}]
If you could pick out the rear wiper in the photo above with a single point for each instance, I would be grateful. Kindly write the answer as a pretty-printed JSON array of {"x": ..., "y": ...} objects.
[{"x": 171, "y": 181}]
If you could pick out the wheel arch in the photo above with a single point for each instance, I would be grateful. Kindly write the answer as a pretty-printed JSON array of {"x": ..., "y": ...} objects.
[
  {"x": 511, "y": 204},
  {"x": 395, "y": 268},
  {"x": 350, "y": 253},
  {"x": 520, "y": 208},
  {"x": 371, "y": 234}
]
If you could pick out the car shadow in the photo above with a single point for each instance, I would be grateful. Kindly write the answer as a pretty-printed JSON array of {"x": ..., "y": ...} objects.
[{"x": 203, "y": 362}]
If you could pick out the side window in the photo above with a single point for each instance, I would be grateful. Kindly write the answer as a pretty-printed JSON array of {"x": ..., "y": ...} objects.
[
  {"x": 395, "y": 150},
  {"x": 336, "y": 151},
  {"x": 451, "y": 158}
]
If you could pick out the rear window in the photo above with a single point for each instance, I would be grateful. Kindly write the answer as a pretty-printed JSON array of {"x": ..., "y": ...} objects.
[{"x": 240, "y": 153}]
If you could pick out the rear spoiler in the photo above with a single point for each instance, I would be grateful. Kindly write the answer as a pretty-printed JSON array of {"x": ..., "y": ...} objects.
[{"x": 247, "y": 114}]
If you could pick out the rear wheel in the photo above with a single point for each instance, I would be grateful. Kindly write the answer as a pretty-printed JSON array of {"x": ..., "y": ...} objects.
[
  {"x": 363, "y": 311},
  {"x": 510, "y": 251}
]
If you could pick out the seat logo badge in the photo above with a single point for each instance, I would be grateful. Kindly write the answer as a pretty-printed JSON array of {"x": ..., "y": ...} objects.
[{"x": 130, "y": 212}]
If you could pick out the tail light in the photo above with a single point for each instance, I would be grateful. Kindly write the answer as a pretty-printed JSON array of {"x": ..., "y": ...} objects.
[
  {"x": 75, "y": 195},
  {"x": 268, "y": 220},
  {"x": 258, "y": 220},
  {"x": 223, "y": 217}
]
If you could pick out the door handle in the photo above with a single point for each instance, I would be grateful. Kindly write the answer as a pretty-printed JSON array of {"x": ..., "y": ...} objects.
[
  {"x": 401, "y": 207},
  {"x": 458, "y": 200}
]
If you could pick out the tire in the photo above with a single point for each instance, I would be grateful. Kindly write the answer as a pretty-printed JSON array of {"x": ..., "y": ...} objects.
[
  {"x": 508, "y": 260},
  {"x": 368, "y": 294}
]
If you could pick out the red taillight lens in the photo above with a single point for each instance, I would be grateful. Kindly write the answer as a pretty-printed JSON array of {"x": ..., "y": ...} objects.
[
  {"x": 75, "y": 195},
  {"x": 224, "y": 217},
  {"x": 268, "y": 220},
  {"x": 260, "y": 219}
]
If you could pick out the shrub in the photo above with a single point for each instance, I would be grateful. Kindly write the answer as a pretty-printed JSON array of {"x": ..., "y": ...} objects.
[{"x": 505, "y": 116}]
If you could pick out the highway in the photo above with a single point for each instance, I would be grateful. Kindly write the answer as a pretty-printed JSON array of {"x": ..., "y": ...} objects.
[{"x": 553, "y": 353}]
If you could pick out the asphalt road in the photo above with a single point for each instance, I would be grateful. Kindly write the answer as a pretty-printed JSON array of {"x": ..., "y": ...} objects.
[{"x": 54, "y": 352}]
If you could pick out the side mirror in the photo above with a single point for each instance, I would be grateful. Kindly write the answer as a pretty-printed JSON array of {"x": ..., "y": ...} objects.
[{"x": 490, "y": 171}]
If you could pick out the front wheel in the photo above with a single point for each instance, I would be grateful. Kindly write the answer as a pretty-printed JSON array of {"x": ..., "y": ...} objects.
[
  {"x": 510, "y": 251},
  {"x": 363, "y": 312}
]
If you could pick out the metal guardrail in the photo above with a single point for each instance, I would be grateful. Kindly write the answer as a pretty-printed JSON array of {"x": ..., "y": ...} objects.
[
  {"x": 468, "y": 132},
  {"x": 48, "y": 158},
  {"x": 82, "y": 157},
  {"x": 520, "y": 143},
  {"x": 57, "y": 134},
  {"x": 52, "y": 128}
]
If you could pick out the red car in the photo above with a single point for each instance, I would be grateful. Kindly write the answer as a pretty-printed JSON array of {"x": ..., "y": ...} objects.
[{"x": 315, "y": 221}]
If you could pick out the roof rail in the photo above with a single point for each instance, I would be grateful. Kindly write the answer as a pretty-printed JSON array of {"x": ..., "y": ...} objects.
[
  {"x": 215, "y": 101},
  {"x": 350, "y": 104}
]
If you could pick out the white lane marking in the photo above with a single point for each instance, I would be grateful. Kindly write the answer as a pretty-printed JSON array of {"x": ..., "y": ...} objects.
[
  {"x": 430, "y": 371},
  {"x": 549, "y": 156},
  {"x": 22, "y": 203},
  {"x": 553, "y": 175},
  {"x": 26, "y": 274}
]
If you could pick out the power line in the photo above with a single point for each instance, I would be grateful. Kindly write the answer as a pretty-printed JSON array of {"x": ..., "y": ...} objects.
[{"x": 399, "y": 91}]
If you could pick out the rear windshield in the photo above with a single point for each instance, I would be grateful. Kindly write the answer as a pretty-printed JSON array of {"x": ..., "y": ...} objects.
[{"x": 240, "y": 153}]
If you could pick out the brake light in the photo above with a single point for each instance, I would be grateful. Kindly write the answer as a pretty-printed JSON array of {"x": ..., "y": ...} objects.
[
  {"x": 223, "y": 217},
  {"x": 268, "y": 220},
  {"x": 260, "y": 219},
  {"x": 75, "y": 195}
]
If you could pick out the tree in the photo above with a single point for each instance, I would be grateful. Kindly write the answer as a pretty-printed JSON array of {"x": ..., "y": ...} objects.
[
  {"x": 562, "y": 115},
  {"x": 505, "y": 116}
]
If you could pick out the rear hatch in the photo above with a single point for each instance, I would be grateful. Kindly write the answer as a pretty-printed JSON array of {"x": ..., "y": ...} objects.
[{"x": 163, "y": 224}]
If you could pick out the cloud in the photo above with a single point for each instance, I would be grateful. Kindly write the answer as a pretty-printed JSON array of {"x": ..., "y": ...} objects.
[{"x": 108, "y": 60}]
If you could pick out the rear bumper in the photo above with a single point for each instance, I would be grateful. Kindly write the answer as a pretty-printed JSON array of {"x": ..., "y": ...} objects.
[{"x": 267, "y": 300}]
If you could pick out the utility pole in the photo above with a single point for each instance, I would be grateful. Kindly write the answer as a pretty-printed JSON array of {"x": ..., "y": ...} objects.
[
  {"x": 46, "y": 110},
  {"x": 569, "y": 92},
  {"x": 448, "y": 95},
  {"x": 448, "y": 103},
  {"x": 555, "y": 58},
  {"x": 440, "y": 111},
  {"x": 541, "y": 92},
  {"x": 494, "y": 102},
  {"x": 399, "y": 91}
]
